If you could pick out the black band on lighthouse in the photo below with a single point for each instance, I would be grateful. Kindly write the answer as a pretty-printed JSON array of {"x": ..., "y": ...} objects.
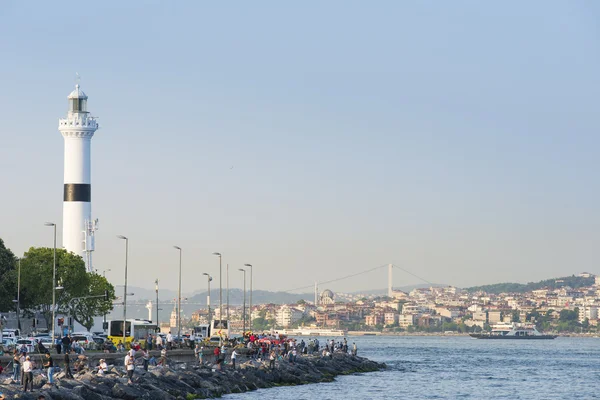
[{"x": 78, "y": 192}]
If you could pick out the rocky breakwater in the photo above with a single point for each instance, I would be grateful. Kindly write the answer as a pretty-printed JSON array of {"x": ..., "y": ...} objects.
[{"x": 184, "y": 380}]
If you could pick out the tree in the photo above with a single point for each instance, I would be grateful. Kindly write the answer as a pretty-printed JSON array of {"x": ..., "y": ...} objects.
[
  {"x": 515, "y": 316},
  {"x": 36, "y": 284},
  {"x": 301, "y": 302},
  {"x": 84, "y": 310},
  {"x": 8, "y": 278}
]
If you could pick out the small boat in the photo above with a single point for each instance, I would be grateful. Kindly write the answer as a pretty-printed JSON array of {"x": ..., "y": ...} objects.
[{"x": 513, "y": 331}]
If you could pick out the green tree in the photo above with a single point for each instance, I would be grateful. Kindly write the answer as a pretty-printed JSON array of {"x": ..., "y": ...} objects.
[
  {"x": 515, "y": 316},
  {"x": 8, "y": 278},
  {"x": 36, "y": 284},
  {"x": 85, "y": 310}
]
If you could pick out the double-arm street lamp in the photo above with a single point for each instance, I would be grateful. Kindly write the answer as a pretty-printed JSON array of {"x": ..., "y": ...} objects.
[
  {"x": 179, "y": 297},
  {"x": 250, "y": 307},
  {"x": 125, "y": 290},
  {"x": 244, "y": 309},
  {"x": 208, "y": 279}
]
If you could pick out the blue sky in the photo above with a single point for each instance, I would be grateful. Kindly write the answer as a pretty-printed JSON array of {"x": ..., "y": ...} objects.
[{"x": 459, "y": 140}]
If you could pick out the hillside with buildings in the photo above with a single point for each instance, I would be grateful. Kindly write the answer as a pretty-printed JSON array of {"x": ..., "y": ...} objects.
[{"x": 569, "y": 304}]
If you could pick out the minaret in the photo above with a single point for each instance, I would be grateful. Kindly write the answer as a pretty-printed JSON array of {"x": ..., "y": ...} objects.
[{"x": 77, "y": 129}]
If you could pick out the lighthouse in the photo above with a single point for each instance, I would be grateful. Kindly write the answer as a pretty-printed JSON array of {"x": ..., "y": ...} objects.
[{"x": 77, "y": 129}]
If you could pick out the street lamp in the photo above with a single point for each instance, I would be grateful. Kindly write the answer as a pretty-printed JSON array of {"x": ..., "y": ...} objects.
[
  {"x": 208, "y": 278},
  {"x": 18, "y": 301},
  {"x": 179, "y": 297},
  {"x": 104, "y": 275},
  {"x": 227, "y": 279},
  {"x": 244, "y": 309},
  {"x": 220, "y": 291},
  {"x": 250, "y": 308},
  {"x": 53, "y": 225},
  {"x": 157, "y": 325},
  {"x": 125, "y": 290}
]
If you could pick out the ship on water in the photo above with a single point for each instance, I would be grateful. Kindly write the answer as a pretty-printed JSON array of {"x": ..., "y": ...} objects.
[{"x": 513, "y": 331}]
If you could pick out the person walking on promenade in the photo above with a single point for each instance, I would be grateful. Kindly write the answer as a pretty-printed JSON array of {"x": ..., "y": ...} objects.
[
  {"x": 159, "y": 342},
  {"x": 49, "y": 363},
  {"x": 66, "y": 344},
  {"x": 192, "y": 340},
  {"x": 234, "y": 355},
  {"x": 169, "y": 341},
  {"x": 67, "y": 362},
  {"x": 16, "y": 367},
  {"x": 27, "y": 374}
]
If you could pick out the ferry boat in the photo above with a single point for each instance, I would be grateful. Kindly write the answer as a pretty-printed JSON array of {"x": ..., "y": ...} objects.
[
  {"x": 512, "y": 331},
  {"x": 313, "y": 332}
]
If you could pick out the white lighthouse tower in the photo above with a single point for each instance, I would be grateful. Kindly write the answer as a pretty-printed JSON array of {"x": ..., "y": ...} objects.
[{"x": 77, "y": 129}]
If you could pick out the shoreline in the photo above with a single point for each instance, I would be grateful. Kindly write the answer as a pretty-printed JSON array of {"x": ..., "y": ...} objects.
[{"x": 184, "y": 379}]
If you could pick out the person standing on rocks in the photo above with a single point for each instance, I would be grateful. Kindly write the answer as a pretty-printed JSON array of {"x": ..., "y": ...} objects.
[
  {"x": 217, "y": 353},
  {"x": 49, "y": 363},
  {"x": 16, "y": 367},
  {"x": 234, "y": 355},
  {"x": 198, "y": 354},
  {"x": 27, "y": 374},
  {"x": 67, "y": 361},
  {"x": 145, "y": 358},
  {"x": 130, "y": 366},
  {"x": 354, "y": 349},
  {"x": 272, "y": 357}
]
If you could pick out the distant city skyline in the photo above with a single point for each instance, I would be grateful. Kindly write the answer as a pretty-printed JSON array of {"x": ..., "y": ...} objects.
[{"x": 312, "y": 140}]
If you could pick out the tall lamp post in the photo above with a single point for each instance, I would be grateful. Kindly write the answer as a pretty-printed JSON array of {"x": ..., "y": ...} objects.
[
  {"x": 157, "y": 324},
  {"x": 220, "y": 290},
  {"x": 179, "y": 298},
  {"x": 208, "y": 278},
  {"x": 18, "y": 301},
  {"x": 104, "y": 275},
  {"x": 53, "y": 225},
  {"x": 227, "y": 279},
  {"x": 250, "y": 307},
  {"x": 125, "y": 291},
  {"x": 244, "y": 309}
]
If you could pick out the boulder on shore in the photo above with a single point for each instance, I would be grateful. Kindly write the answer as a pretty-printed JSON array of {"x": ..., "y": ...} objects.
[{"x": 178, "y": 380}]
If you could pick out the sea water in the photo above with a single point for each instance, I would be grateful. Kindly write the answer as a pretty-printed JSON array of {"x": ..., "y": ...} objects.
[{"x": 459, "y": 367}]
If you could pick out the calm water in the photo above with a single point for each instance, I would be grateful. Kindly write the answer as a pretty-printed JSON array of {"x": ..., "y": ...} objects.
[{"x": 462, "y": 368}]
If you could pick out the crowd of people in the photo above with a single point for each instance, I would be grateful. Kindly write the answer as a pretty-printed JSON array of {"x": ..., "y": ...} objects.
[{"x": 260, "y": 348}]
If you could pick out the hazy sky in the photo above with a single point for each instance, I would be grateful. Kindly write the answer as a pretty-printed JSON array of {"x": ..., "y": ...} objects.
[{"x": 459, "y": 140}]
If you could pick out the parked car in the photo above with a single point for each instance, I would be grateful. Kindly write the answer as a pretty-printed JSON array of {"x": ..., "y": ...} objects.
[
  {"x": 98, "y": 339},
  {"x": 82, "y": 337},
  {"x": 27, "y": 344}
]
